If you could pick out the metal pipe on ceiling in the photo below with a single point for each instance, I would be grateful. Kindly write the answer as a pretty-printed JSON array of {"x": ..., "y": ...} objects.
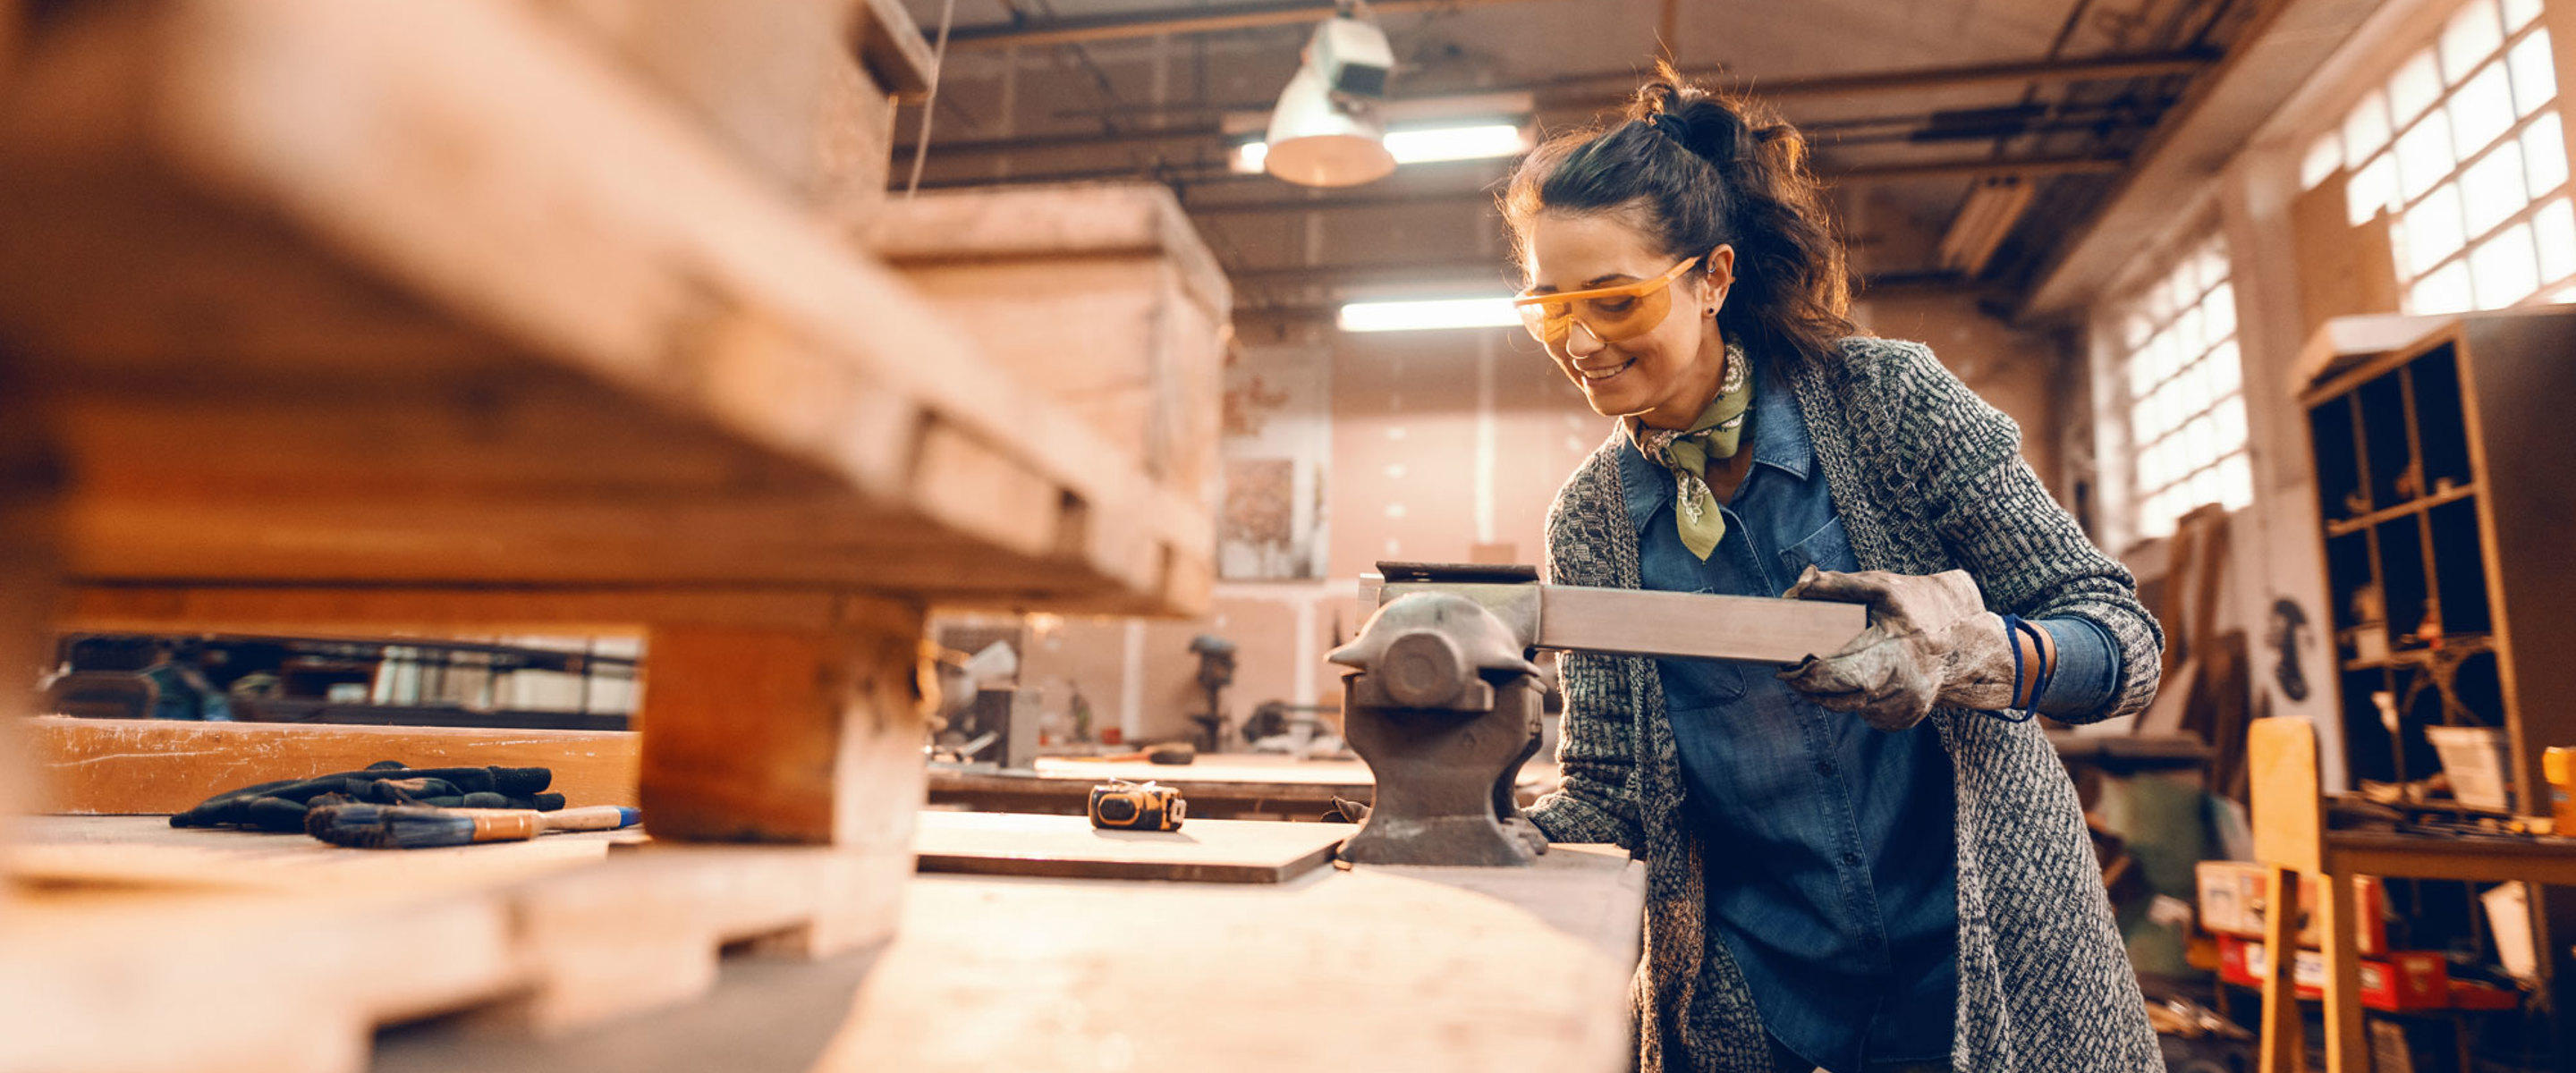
[
  {"x": 1215, "y": 176},
  {"x": 1083, "y": 29},
  {"x": 1258, "y": 287},
  {"x": 1915, "y": 80},
  {"x": 1560, "y": 92}
]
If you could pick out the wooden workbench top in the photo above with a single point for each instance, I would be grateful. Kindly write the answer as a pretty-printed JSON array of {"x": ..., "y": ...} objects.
[
  {"x": 1375, "y": 967},
  {"x": 1420, "y": 969}
]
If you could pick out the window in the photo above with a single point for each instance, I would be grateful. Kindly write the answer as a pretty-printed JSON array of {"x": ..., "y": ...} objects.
[
  {"x": 2185, "y": 393},
  {"x": 2462, "y": 148}
]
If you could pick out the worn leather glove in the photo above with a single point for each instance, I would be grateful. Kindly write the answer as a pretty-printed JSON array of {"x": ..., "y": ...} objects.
[{"x": 1930, "y": 643}]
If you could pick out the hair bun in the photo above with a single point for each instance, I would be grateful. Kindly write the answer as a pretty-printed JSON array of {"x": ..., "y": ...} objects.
[{"x": 1706, "y": 127}]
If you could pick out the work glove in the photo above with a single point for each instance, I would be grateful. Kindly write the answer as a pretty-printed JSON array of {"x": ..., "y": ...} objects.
[
  {"x": 280, "y": 805},
  {"x": 1930, "y": 643}
]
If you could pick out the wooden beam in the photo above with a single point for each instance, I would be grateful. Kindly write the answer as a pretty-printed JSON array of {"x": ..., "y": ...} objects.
[
  {"x": 807, "y": 736},
  {"x": 151, "y": 766},
  {"x": 30, "y": 490}
]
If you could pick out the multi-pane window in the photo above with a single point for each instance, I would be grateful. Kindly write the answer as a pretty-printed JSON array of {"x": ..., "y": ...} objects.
[
  {"x": 2185, "y": 393},
  {"x": 2462, "y": 148}
]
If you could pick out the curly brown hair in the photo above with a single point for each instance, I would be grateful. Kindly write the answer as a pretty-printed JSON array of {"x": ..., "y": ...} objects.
[{"x": 1696, "y": 169}]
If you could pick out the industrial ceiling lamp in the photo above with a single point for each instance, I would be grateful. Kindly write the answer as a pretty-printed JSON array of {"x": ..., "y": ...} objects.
[{"x": 1326, "y": 130}]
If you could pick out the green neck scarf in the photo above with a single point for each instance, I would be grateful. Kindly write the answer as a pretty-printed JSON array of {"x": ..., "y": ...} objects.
[{"x": 1687, "y": 453}]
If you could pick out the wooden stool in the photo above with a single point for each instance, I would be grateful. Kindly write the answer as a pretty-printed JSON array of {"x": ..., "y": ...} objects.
[{"x": 2289, "y": 839}]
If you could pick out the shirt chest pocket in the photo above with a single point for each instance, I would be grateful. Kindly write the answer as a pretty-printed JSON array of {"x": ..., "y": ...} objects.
[
  {"x": 1699, "y": 684},
  {"x": 1825, "y": 549}
]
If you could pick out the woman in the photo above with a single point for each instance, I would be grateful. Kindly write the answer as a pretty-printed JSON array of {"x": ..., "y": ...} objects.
[{"x": 1873, "y": 860}]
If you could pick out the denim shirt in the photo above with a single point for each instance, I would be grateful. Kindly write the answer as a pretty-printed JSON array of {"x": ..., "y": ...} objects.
[{"x": 1832, "y": 874}]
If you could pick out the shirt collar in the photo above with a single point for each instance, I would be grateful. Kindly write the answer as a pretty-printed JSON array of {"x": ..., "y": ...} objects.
[
  {"x": 1779, "y": 441},
  {"x": 1779, "y": 430}
]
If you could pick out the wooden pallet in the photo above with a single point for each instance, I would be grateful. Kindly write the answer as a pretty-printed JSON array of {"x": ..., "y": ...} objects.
[
  {"x": 433, "y": 293},
  {"x": 416, "y": 319},
  {"x": 133, "y": 946}
]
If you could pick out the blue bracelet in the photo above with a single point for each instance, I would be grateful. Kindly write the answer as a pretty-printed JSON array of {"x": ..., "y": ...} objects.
[{"x": 2014, "y": 629}]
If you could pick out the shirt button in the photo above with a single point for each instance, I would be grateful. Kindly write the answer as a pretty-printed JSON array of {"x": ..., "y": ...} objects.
[
  {"x": 1824, "y": 767},
  {"x": 1851, "y": 858}
]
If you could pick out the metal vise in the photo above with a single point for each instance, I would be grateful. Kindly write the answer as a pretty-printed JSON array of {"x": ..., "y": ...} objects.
[
  {"x": 1445, "y": 708},
  {"x": 1445, "y": 704}
]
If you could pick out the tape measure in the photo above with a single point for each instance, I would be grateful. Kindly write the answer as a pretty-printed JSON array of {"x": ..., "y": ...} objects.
[{"x": 1120, "y": 805}]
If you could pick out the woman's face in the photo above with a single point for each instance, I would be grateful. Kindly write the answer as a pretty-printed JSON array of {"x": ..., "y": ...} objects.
[{"x": 1664, "y": 377}]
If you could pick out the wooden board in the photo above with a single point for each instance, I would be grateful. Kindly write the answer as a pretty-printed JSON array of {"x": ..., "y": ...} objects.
[
  {"x": 430, "y": 369},
  {"x": 131, "y": 767},
  {"x": 1068, "y": 847},
  {"x": 1215, "y": 768},
  {"x": 1519, "y": 970},
  {"x": 1690, "y": 625}
]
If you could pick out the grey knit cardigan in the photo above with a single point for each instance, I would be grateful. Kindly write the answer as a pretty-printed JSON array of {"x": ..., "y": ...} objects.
[{"x": 1926, "y": 477}]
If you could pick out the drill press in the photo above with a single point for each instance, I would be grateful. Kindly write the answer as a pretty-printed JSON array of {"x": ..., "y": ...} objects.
[{"x": 1444, "y": 704}]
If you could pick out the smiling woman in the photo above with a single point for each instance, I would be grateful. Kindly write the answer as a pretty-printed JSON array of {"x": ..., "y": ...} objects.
[{"x": 1871, "y": 861}]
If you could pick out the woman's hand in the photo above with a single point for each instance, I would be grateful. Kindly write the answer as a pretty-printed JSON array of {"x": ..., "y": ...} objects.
[{"x": 1930, "y": 642}]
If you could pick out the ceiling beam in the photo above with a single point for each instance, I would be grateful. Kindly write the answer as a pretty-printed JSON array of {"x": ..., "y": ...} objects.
[{"x": 1090, "y": 28}]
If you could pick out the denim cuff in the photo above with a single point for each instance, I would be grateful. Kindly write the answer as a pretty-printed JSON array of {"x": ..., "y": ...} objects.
[{"x": 2088, "y": 666}]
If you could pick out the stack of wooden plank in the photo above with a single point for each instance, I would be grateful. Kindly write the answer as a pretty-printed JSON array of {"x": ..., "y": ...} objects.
[{"x": 516, "y": 315}]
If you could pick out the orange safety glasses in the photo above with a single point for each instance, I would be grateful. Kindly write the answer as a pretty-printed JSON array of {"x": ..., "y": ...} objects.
[{"x": 1611, "y": 314}]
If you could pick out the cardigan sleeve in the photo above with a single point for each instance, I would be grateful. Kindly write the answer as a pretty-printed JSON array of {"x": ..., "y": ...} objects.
[
  {"x": 1598, "y": 802},
  {"x": 1597, "y": 750},
  {"x": 2026, "y": 552}
]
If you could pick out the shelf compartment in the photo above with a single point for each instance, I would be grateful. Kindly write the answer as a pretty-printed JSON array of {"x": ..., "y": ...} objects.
[
  {"x": 2332, "y": 438},
  {"x": 2402, "y": 584},
  {"x": 2441, "y": 422},
  {"x": 2387, "y": 455},
  {"x": 2348, "y": 570},
  {"x": 2460, "y": 567}
]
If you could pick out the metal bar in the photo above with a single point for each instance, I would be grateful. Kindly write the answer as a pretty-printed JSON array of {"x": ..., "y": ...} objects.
[{"x": 1066, "y": 31}]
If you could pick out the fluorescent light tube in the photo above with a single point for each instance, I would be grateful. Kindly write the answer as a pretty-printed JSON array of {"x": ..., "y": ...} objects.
[
  {"x": 1429, "y": 314},
  {"x": 1421, "y": 146},
  {"x": 1455, "y": 143}
]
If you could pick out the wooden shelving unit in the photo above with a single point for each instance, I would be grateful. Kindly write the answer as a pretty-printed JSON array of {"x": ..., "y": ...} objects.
[
  {"x": 2448, "y": 502},
  {"x": 2444, "y": 494}
]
